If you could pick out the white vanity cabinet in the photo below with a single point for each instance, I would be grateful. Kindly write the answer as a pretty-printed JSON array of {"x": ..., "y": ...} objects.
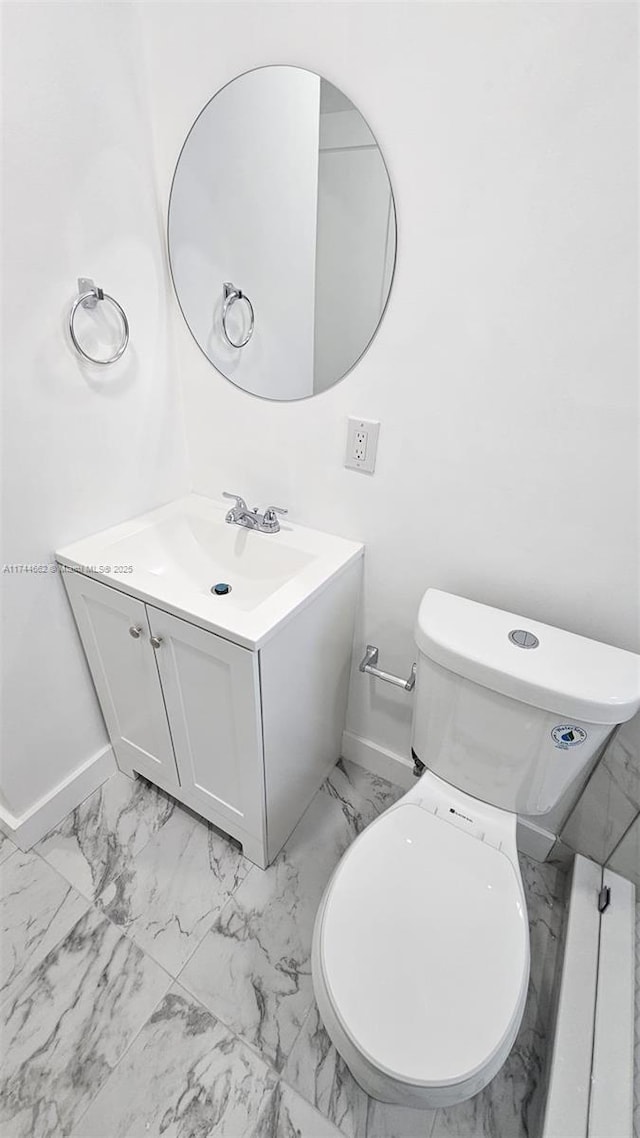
[
  {"x": 211, "y": 691},
  {"x": 115, "y": 633},
  {"x": 243, "y": 737}
]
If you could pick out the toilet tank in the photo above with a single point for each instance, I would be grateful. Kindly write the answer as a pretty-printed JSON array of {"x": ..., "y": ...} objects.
[{"x": 509, "y": 710}]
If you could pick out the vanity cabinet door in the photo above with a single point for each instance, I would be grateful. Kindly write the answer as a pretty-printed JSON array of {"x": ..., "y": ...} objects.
[
  {"x": 212, "y": 692},
  {"x": 116, "y": 638}
]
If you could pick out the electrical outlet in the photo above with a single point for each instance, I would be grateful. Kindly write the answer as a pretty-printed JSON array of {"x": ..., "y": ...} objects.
[{"x": 362, "y": 444}]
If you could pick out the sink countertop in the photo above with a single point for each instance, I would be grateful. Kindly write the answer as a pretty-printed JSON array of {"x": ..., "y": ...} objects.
[{"x": 172, "y": 556}]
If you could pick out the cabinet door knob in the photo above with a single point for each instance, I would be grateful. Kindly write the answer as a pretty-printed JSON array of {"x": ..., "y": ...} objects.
[
  {"x": 156, "y": 641},
  {"x": 135, "y": 631}
]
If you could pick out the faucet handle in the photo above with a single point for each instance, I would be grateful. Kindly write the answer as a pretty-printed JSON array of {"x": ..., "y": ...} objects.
[
  {"x": 240, "y": 502},
  {"x": 270, "y": 523}
]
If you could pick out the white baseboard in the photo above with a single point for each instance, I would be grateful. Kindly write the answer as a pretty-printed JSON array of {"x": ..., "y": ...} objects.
[
  {"x": 533, "y": 841},
  {"x": 28, "y": 828},
  {"x": 378, "y": 760}
]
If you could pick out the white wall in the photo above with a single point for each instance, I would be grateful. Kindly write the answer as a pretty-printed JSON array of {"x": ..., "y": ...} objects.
[
  {"x": 504, "y": 372},
  {"x": 83, "y": 448}
]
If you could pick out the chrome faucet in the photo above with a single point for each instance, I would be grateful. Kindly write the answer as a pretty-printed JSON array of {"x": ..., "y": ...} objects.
[{"x": 241, "y": 515}]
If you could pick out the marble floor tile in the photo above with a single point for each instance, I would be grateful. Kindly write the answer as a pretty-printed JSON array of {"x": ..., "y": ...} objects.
[
  {"x": 296, "y": 1118},
  {"x": 184, "y": 1076},
  {"x": 98, "y": 841},
  {"x": 169, "y": 896},
  {"x": 545, "y": 889},
  {"x": 253, "y": 969},
  {"x": 37, "y": 909},
  {"x": 7, "y": 847},
  {"x": 501, "y": 1110},
  {"x": 318, "y": 1072},
  {"x": 362, "y": 796},
  {"x": 66, "y": 1029}
]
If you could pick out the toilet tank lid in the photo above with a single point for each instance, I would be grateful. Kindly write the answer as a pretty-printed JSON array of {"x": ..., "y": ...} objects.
[{"x": 566, "y": 674}]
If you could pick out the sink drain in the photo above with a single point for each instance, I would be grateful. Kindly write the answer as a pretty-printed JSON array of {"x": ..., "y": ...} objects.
[{"x": 221, "y": 589}]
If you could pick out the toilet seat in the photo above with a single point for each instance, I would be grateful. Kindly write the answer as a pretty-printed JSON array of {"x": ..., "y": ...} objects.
[{"x": 421, "y": 957}]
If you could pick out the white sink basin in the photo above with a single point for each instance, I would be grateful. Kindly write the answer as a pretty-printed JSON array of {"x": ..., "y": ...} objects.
[{"x": 173, "y": 556}]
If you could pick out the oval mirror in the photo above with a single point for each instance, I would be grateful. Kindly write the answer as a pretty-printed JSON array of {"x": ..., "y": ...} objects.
[{"x": 282, "y": 233}]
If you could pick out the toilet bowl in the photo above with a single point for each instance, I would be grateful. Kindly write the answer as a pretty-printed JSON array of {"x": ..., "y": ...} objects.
[
  {"x": 420, "y": 956},
  {"x": 424, "y": 925}
]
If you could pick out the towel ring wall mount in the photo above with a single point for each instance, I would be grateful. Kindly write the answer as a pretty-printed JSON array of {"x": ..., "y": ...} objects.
[
  {"x": 89, "y": 295},
  {"x": 231, "y": 294}
]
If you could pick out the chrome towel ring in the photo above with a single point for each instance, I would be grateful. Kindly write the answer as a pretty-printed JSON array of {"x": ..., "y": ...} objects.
[
  {"x": 231, "y": 294},
  {"x": 90, "y": 294}
]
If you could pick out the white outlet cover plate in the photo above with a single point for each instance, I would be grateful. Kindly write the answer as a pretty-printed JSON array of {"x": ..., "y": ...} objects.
[{"x": 358, "y": 457}]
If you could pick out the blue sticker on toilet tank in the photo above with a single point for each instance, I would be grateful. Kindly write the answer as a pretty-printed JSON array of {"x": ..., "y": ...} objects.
[{"x": 567, "y": 735}]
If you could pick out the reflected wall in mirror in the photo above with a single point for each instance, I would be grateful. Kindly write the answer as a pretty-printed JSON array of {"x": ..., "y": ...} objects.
[{"x": 282, "y": 233}]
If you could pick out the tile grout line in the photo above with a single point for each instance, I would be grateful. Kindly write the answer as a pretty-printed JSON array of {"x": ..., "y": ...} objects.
[
  {"x": 12, "y": 853},
  {"x": 279, "y": 1076},
  {"x": 317, "y": 1111},
  {"x": 29, "y": 972},
  {"x": 129, "y": 935},
  {"x": 147, "y": 956},
  {"x": 130, "y": 1044},
  {"x": 297, "y": 1037},
  {"x": 60, "y": 874},
  {"x": 139, "y": 781},
  {"x": 177, "y": 979},
  {"x": 92, "y": 904},
  {"x": 238, "y": 1038},
  {"x": 216, "y": 918}
]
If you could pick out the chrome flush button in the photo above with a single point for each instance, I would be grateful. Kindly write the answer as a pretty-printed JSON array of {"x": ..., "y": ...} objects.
[{"x": 523, "y": 639}]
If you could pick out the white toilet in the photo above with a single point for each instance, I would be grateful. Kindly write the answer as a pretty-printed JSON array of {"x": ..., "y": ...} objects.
[{"x": 421, "y": 943}]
